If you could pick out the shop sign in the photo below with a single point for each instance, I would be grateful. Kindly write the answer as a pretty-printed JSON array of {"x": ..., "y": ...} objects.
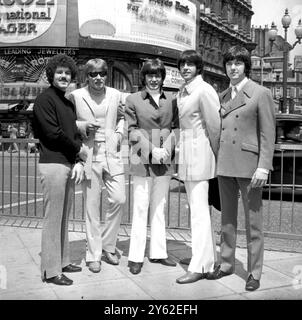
[
  {"x": 24, "y": 20},
  {"x": 21, "y": 91},
  {"x": 173, "y": 78},
  {"x": 164, "y": 23},
  {"x": 22, "y": 71}
]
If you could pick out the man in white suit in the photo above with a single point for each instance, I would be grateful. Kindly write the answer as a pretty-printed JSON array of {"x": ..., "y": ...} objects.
[
  {"x": 244, "y": 159},
  {"x": 199, "y": 120},
  {"x": 100, "y": 119}
]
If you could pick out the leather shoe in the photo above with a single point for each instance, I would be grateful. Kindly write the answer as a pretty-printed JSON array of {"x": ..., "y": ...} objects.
[
  {"x": 190, "y": 277},
  {"x": 185, "y": 261},
  {"x": 60, "y": 280},
  {"x": 135, "y": 267},
  {"x": 166, "y": 262},
  {"x": 252, "y": 284},
  {"x": 111, "y": 258},
  {"x": 217, "y": 274},
  {"x": 94, "y": 266},
  {"x": 72, "y": 268}
]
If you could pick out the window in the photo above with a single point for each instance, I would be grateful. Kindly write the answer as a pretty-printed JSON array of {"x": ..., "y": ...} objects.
[{"x": 120, "y": 81}]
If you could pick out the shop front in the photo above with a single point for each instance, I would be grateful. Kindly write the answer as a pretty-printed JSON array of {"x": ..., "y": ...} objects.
[{"x": 124, "y": 33}]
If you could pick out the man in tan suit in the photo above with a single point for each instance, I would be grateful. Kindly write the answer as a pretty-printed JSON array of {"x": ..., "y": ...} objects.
[
  {"x": 244, "y": 160},
  {"x": 100, "y": 119}
]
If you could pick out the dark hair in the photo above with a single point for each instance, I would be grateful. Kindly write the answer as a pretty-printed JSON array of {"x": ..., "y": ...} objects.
[
  {"x": 193, "y": 57},
  {"x": 238, "y": 53},
  {"x": 60, "y": 60},
  {"x": 152, "y": 66}
]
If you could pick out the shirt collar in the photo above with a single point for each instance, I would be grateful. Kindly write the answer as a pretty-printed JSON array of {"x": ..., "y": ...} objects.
[
  {"x": 241, "y": 84},
  {"x": 191, "y": 86},
  {"x": 145, "y": 94}
]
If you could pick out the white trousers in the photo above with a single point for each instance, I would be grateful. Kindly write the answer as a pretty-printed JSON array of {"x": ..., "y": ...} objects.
[
  {"x": 149, "y": 192},
  {"x": 202, "y": 237},
  {"x": 105, "y": 238}
]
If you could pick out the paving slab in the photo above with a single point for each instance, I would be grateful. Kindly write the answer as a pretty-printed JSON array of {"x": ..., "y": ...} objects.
[
  {"x": 119, "y": 289},
  {"x": 20, "y": 250},
  {"x": 289, "y": 267},
  {"x": 36, "y": 294},
  {"x": 164, "y": 287},
  {"x": 283, "y": 293}
]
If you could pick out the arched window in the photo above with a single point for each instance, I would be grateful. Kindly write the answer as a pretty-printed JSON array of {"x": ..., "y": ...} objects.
[{"x": 120, "y": 81}]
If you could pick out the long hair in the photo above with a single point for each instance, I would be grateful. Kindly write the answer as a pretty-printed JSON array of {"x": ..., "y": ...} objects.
[
  {"x": 193, "y": 57},
  {"x": 238, "y": 53},
  {"x": 152, "y": 66},
  {"x": 60, "y": 60}
]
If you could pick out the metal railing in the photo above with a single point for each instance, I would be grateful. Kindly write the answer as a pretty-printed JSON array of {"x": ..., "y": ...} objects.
[{"x": 21, "y": 194}]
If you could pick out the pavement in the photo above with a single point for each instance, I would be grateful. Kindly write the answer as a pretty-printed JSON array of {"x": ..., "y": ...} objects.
[{"x": 20, "y": 278}]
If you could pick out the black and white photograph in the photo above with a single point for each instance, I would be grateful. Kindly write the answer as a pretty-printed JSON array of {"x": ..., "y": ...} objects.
[{"x": 151, "y": 153}]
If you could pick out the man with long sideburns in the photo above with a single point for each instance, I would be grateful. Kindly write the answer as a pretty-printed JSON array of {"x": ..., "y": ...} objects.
[
  {"x": 100, "y": 119},
  {"x": 244, "y": 159},
  {"x": 60, "y": 145},
  {"x": 151, "y": 115},
  {"x": 199, "y": 120}
]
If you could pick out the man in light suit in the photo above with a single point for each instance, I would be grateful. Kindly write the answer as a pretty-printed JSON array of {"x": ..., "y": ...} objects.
[
  {"x": 244, "y": 160},
  {"x": 100, "y": 119},
  {"x": 199, "y": 123}
]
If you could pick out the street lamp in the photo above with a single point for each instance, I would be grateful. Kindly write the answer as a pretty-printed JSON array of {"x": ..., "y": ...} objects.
[{"x": 272, "y": 34}]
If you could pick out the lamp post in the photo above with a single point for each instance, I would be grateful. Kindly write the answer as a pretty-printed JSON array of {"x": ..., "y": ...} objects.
[{"x": 272, "y": 34}]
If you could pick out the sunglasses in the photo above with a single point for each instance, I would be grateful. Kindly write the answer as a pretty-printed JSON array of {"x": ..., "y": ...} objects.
[{"x": 96, "y": 73}]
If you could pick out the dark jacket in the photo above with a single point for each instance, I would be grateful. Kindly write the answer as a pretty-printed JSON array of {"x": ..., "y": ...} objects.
[
  {"x": 54, "y": 125},
  {"x": 151, "y": 126}
]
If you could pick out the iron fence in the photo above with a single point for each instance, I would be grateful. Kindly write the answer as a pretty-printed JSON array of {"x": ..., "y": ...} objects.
[{"x": 21, "y": 194}]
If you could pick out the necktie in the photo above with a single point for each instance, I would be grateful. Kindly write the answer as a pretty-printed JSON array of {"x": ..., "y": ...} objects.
[{"x": 234, "y": 92}]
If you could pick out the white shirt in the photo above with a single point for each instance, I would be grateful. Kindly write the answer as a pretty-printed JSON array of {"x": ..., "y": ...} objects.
[{"x": 236, "y": 88}]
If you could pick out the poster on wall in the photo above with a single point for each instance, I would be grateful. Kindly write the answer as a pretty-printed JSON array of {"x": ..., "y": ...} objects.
[
  {"x": 173, "y": 78},
  {"x": 32, "y": 22},
  {"x": 164, "y": 23}
]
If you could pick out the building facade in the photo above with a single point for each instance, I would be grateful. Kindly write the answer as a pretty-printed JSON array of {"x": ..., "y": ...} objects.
[
  {"x": 124, "y": 33},
  {"x": 223, "y": 23},
  {"x": 267, "y": 68}
]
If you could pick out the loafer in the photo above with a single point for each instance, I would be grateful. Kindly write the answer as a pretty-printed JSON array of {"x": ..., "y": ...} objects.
[
  {"x": 135, "y": 267},
  {"x": 60, "y": 280},
  {"x": 72, "y": 268},
  {"x": 94, "y": 266},
  {"x": 185, "y": 261},
  {"x": 190, "y": 277},
  {"x": 111, "y": 258},
  {"x": 217, "y": 274},
  {"x": 166, "y": 262},
  {"x": 252, "y": 284}
]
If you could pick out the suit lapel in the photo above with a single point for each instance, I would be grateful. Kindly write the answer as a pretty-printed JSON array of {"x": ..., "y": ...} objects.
[
  {"x": 87, "y": 100},
  {"x": 109, "y": 100},
  {"x": 228, "y": 105}
]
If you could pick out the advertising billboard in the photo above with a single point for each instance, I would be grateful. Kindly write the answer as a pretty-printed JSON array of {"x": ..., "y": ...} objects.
[
  {"x": 173, "y": 78},
  {"x": 32, "y": 22},
  {"x": 164, "y": 23},
  {"x": 22, "y": 71}
]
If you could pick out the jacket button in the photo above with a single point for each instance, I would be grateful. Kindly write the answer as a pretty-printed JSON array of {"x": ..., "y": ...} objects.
[
  {"x": 223, "y": 128},
  {"x": 237, "y": 116},
  {"x": 234, "y": 141},
  {"x": 235, "y": 129}
]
